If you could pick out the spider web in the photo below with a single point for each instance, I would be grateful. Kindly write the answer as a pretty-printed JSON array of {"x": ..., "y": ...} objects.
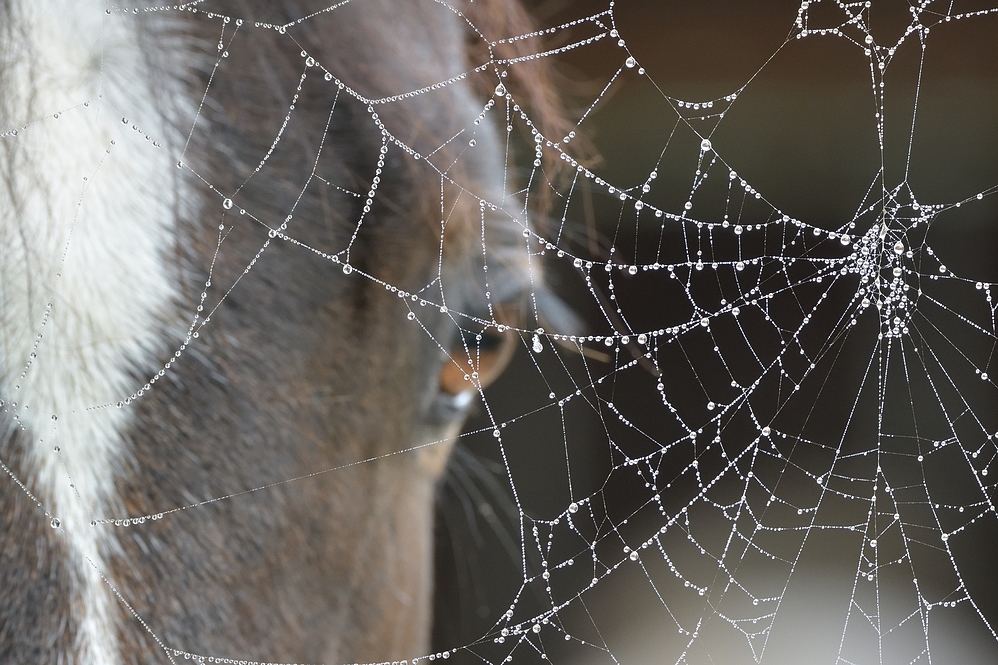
[
  {"x": 802, "y": 409},
  {"x": 791, "y": 407},
  {"x": 777, "y": 434}
]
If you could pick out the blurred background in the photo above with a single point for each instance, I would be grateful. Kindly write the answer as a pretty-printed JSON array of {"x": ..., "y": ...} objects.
[{"x": 803, "y": 133}]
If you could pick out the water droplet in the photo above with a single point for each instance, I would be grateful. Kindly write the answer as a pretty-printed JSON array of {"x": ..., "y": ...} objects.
[
  {"x": 573, "y": 507},
  {"x": 328, "y": 76},
  {"x": 537, "y": 346},
  {"x": 472, "y": 143},
  {"x": 227, "y": 204},
  {"x": 705, "y": 145},
  {"x": 54, "y": 417},
  {"x": 630, "y": 62},
  {"x": 500, "y": 90},
  {"x": 347, "y": 269},
  {"x": 55, "y": 523},
  {"x": 766, "y": 431},
  {"x": 633, "y": 270},
  {"x": 899, "y": 247}
]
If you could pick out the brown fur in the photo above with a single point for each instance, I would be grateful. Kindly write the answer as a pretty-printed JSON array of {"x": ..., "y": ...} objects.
[{"x": 302, "y": 368}]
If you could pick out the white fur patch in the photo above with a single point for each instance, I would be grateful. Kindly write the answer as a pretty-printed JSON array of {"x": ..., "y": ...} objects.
[{"x": 86, "y": 229}]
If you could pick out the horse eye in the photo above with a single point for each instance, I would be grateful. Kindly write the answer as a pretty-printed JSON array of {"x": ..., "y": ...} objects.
[
  {"x": 486, "y": 341},
  {"x": 478, "y": 359}
]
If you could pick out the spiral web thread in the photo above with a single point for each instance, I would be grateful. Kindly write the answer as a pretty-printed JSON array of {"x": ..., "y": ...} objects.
[{"x": 804, "y": 389}]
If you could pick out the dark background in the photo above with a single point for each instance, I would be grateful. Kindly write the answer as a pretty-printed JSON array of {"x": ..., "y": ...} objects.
[{"x": 803, "y": 133}]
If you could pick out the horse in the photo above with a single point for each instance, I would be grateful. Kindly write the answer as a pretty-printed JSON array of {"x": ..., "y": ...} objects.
[{"x": 258, "y": 261}]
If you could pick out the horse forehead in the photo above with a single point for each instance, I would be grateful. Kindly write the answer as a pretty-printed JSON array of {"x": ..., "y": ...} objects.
[
  {"x": 390, "y": 46},
  {"x": 410, "y": 59},
  {"x": 86, "y": 288},
  {"x": 405, "y": 61}
]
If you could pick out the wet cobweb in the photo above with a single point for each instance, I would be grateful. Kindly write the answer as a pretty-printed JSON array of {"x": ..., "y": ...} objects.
[
  {"x": 775, "y": 438},
  {"x": 779, "y": 437}
]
